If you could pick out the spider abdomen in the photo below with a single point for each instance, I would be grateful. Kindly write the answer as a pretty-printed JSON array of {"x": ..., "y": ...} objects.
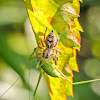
[{"x": 47, "y": 53}]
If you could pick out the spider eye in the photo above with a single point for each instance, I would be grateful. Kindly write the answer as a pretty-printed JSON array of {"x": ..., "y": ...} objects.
[
  {"x": 52, "y": 31},
  {"x": 49, "y": 35}
]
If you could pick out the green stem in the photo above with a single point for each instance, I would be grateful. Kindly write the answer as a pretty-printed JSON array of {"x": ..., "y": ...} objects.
[
  {"x": 41, "y": 73},
  {"x": 88, "y": 81},
  {"x": 62, "y": 75},
  {"x": 76, "y": 83}
]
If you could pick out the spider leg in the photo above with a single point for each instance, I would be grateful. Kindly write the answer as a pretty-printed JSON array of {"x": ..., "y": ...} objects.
[
  {"x": 39, "y": 46},
  {"x": 38, "y": 57},
  {"x": 45, "y": 34},
  {"x": 55, "y": 61},
  {"x": 56, "y": 51},
  {"x": 56, "y": 56},
  {"x": 58, "y": 38},
  {"x": 43, "y": 40}
]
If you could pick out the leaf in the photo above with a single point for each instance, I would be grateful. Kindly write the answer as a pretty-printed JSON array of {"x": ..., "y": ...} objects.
[
  {"x": 60, "y": 16},
  {"x": 72, "y": 63}
]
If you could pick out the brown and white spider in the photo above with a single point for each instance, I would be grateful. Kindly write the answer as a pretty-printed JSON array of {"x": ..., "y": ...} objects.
[{"x": 50, "y": 43}]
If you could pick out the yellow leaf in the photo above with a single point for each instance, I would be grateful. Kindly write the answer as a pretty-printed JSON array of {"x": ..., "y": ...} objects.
[{"x": 61, "y": 17}]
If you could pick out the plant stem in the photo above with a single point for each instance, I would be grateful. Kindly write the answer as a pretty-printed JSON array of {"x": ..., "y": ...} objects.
[
  {"x": 41, "y": 73},
  {"x": 76, "y": 83}
]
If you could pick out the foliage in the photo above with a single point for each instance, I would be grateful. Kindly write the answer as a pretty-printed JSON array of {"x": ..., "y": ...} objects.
[
  {"x": 12, "y": 26},
  {"x": 60, "y": 16}
]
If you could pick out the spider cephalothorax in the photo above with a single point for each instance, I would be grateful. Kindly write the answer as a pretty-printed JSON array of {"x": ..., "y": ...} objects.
[
  {"x": 50, "y": 43},
  {"x": 50, "y": 40}
]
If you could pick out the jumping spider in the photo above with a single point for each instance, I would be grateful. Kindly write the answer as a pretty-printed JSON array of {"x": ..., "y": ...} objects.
[{"x": 50, "y": 43}]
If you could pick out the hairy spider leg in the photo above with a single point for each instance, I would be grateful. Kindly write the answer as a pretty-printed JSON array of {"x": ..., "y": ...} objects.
[
  {"x": 55, "y": 61},
  {"x": 43, "y": 41},
  {"x": 40, "y": 46},
  {"x": 56, "y": 51},
  {"x": 45, "y": 34},
  {"x": 58, "y": 38},
  {"x": 56, "y": 56}
]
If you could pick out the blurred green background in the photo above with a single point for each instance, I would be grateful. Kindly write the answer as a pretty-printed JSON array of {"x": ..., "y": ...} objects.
[{"x": 17, "y": 43}]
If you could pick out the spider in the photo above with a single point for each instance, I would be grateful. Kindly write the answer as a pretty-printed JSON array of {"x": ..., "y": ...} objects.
[{"x": 50, "y": 43}]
